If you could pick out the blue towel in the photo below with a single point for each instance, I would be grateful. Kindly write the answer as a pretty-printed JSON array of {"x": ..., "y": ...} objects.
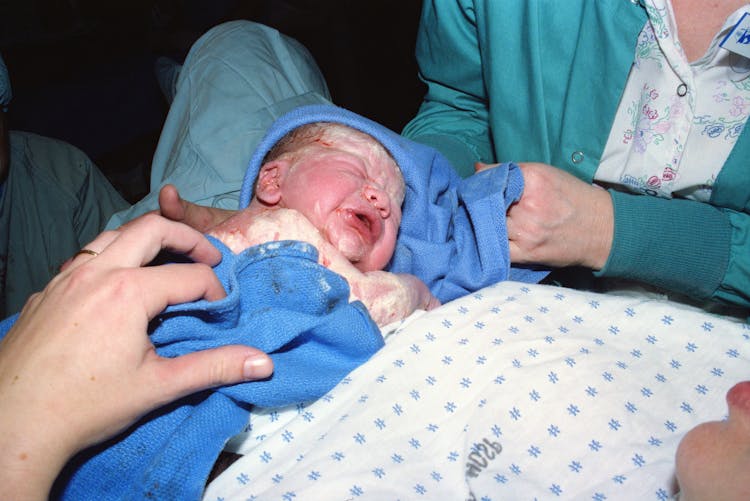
[
  {"x": 279, "y": 300},
  {"x": 453, "y": 234}
]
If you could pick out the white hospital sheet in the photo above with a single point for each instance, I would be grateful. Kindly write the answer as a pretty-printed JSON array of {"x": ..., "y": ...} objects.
[{"x": 516, "y": 392}]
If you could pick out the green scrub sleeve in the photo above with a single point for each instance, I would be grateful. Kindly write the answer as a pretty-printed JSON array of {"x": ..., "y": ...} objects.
[
  {"x": 454, "y": 117},
  {"x": 735, "y": 286},
  {"x": 679, "y": 245}
]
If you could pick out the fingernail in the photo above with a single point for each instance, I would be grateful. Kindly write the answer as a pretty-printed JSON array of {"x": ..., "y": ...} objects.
[{"x": 257, "y": 367}]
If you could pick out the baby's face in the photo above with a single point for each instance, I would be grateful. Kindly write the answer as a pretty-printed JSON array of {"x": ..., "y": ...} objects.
[
  {"x": 352, "y": 193},
  {"x": 713, "y": 459}
]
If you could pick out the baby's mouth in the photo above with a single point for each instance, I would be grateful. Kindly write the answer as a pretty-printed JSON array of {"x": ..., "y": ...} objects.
[
  {"x": 364, "y": 224},
  {"x": 364, "y": 221}
]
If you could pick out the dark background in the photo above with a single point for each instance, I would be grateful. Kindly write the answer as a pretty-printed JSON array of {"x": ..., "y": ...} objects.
[{"x": 82, "y": 70}]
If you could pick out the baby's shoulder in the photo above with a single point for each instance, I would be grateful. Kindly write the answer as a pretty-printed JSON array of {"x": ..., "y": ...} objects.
[
  {"x": 282, "y": 219},
  {"x": 248, "y": 228},
  {"x": 282, "y": 224}
]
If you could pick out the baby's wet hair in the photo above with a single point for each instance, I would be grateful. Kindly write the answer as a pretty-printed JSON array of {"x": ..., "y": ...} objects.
[{"x": 325, "y": 134}]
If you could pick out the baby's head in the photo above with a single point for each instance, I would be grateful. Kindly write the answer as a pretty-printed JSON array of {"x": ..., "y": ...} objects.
[
  {"x": 344, "y": 182},
  {"x": 713, "y": 459}
]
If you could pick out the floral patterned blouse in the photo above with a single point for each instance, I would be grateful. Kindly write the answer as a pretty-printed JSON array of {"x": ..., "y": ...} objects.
[{"x": 677, "y": 121}]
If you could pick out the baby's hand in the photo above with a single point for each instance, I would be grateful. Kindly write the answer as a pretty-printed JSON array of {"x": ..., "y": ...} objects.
[
  {"x": 390, "y": 297},
  {"x": 422, "y": 298}
]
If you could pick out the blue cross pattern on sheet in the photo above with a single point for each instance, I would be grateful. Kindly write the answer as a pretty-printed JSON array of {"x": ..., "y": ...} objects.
[{"x": 517, "y": 391}]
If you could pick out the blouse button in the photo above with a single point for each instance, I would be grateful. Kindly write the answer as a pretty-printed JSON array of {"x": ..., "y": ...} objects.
[
  {"x": 682, "y": 90},
  {"x": 577, "y": 157}
]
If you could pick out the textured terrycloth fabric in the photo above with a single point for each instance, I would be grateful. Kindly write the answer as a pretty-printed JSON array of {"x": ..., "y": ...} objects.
[
  {"x": 453, "y": 234},
  {"x": 279, "y": 300}
]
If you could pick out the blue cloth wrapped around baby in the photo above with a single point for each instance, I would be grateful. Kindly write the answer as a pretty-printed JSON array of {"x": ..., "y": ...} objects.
[
  {"x": 282, "y": 301},
  {"x": 278, "y": 299}
]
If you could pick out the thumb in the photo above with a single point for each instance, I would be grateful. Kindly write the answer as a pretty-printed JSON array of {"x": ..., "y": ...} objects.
[
  {"x": 171, "y": 204},
  {"x": 210, "y": 368},
  {"x": 434, "y": 303}
]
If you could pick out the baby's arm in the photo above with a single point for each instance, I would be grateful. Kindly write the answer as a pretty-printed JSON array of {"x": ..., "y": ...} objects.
[{"x": 387, "y": 296}]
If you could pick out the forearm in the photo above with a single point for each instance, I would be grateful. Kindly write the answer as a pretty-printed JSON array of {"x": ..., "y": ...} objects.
[
  {"x": 36, "y": 439},
  {"x": 27, "y": 470},
  {"x": 39, "y": 433},
  {"x": 457, "y": 134}
]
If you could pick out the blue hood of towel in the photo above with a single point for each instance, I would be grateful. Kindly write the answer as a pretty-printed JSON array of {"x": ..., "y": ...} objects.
[{"x": 453, "y": 234}]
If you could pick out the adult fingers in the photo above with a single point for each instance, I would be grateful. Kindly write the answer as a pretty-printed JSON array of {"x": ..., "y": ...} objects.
[
  {"x": 172, "y": 378},
  {"x": 199, "y": 217},
  {"x": 90, "y": 250},
  {"x": 171, "y": 204},
  {"x": 174, "y": 284},
  {"x": 143, "y": 238}
]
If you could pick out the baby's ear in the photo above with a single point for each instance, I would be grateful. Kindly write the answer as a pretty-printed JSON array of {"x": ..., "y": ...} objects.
[{"x": 268, "y": 186}]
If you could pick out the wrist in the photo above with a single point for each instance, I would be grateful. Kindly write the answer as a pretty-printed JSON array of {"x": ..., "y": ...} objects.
[
  {"x": 37, "y": 439},
  {"x": 602, "y": 229},
  {"x": 28, "y": 466}
]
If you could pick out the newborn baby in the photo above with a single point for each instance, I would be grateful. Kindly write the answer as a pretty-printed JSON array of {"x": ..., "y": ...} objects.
[{"x": 339, "y": 190}]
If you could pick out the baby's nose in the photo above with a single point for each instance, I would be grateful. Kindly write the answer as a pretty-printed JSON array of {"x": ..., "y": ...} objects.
[{"x": 379, "y": 199}]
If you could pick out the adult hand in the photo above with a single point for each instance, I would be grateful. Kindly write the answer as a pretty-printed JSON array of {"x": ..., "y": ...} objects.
[
  {"x": 560, "y": 220},
  {"x": 199, "y": 217},
  {"x": 78, "y": 367}
]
